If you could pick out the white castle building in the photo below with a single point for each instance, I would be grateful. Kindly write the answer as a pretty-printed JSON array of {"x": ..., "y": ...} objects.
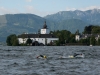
[{"x": 44, "y": 37}]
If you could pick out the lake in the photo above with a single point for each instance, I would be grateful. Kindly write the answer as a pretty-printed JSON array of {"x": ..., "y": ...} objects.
[{"x": 21, "y": 60}]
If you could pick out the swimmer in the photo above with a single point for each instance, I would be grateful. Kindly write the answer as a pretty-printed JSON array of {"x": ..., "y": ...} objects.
[
  {"x": 41, "y": 56},
  {"x": 75, "y": 55},
  {"x": 64, "y": 57},
  {"x": 78, "y": 55}
]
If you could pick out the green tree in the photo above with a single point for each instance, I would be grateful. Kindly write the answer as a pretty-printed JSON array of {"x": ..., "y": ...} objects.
[
  {"x": 57, "y": 43},
  {"x": 72, "y": 38},
  {"x": 12, "y": 40},
  {"x": 45, "y": 41},
  {"x": 29, "y": 41},
  {"x": 92, "y": 40},
  {"x": 83, "y": 42},
  {"x": 88, "y": 29},
  {"x": 96, "y": 30},
  {"x": 63, "y": 35},
  {"x": 15, "y": 42},
  {"x": 8, "y": 40},
  {"x": 92, "y": 29},
  {"x": 98, "y": 42}
]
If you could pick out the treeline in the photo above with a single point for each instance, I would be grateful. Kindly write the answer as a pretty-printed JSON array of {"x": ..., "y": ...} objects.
[
  {"x": 91, "y": 29},
  {"x": 65, "y": 37}
]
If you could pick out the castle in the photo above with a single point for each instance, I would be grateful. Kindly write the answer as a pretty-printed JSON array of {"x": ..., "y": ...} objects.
[{"x": 43, "y": 37}]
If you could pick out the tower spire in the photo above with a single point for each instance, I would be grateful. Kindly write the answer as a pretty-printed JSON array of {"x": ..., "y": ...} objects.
[{"x": 45, "y": 26}]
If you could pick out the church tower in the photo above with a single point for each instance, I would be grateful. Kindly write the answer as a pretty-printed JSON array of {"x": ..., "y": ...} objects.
[
  {"x": 77, "y": 37},
  {"x": 45, "y": 30}
]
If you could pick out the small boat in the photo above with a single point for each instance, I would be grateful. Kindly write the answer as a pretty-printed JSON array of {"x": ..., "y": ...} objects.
[{"x": 90, "y": 45}]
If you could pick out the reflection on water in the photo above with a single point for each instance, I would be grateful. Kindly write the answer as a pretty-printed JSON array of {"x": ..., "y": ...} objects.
[{"x": 23, "y": 61}]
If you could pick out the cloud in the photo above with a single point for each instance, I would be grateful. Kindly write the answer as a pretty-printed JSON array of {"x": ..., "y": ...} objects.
[
  {"x": 29, "y": 0},
  {"x": 7, "y": 11},
  {"x": 70, "y": 9},
  {"x": 90, "y": 8},
  {"x": 32, "y": 10},
  {"x": 28, "y": 9},
  {"x": 83, "y": 9}
]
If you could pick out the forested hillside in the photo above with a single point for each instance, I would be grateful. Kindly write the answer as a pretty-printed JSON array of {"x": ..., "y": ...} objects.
[{"x": 64, "y": 20}]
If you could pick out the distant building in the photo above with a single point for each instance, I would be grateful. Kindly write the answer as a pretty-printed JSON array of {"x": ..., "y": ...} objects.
[
  {"x": 84, "y": 36},
  {"x": 43, "y": 37},
  {"x": 77, "y": 37}
]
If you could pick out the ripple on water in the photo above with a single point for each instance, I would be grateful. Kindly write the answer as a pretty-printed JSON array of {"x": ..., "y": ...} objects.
[{"x": 23, "y": 61}]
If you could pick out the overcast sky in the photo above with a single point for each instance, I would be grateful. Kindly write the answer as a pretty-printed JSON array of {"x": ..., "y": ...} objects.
[{"x": 45, "y": 7}]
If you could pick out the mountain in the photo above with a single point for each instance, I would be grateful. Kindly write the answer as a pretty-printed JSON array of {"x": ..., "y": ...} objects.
[
  {"x": 63, "y": 20},
  {"x": 89, "y": 16},
  {"x": 72, "y": 25},
  {"x": 19, "y": 23}
]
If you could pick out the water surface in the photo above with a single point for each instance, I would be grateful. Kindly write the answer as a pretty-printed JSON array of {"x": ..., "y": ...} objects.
[{"x": 17, "y": 60}]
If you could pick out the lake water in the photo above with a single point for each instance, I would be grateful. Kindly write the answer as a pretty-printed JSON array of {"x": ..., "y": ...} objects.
[{"x": 21, "y": 60}]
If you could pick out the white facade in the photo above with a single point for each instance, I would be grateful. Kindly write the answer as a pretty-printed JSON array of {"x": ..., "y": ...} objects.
[
  {"x": 40, "y": 40},
  {"x": 77, "y": 37},
  {"x": 45, "y": 31},
  {"x": 84, "y": 36}
]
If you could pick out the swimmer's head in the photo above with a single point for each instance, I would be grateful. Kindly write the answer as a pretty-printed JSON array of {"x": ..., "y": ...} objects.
[{"x": 44, "y": 56}]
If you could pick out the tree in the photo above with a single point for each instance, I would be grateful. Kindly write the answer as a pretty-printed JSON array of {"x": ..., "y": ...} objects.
[
  {"x": 88, "y": 29},
  {"x": 92, "y": 29},
  {"x": 57, "y": 43},
  {"x": 96, "y": 30},
  {"x": 98, "y": 42},
  {"x": 29, "y": 41},
  {"x": 63, "y": 35},
  {"x": 23, "y": 37},
  {"x": 92, "y": 40},
  {"x": 45, "y": 41},
  {"x": 12, "y": 40},
  {"x": 72, "y": 38},
  {"x": 84, "y": 42},
  {"x": 8, "y": 40},
  {"x": 15, "y": 42}
]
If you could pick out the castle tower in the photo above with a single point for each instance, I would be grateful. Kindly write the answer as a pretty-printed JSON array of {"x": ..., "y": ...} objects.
[
  {"x": 45, "y": 26},
  {"x": 77, "y": 37},
  {"x": 45, "y": 30}
]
